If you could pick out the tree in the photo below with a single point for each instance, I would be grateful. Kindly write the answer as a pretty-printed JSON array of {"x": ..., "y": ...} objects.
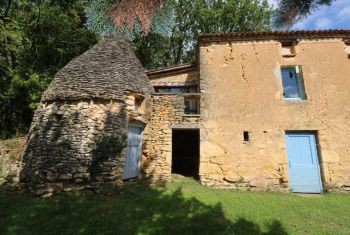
[
  {"x": 152, "y": 50},
  {"x": 127, "y": 12},
  {"x": 130, "y": 17},
  {"x": 34, "y": 45},
  {"x": 194, "y": 17},
  {"x": 38, "y": 37},
  {"x": 291, "y": 11}
]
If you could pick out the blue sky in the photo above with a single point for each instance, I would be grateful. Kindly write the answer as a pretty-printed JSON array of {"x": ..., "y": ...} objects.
[{"x": 336, "y": 16}]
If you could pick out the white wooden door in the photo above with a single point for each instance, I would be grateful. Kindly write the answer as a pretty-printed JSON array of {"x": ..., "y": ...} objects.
[{"x": 133, "y": 154}]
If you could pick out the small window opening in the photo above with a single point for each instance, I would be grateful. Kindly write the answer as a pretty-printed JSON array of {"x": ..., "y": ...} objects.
[
  {"x": 176, "y": 89},
  {"x": 292, "y": 82},
  {"x": 138, "y": 104},
  {"x": 246, "y": 136},
  {"x": 288, "y": 49},
  {"x": 191, "y": 106}
]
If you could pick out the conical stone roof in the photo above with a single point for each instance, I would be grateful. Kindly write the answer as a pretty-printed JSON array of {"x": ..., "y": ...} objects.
[{"x": 105, "y": 71}]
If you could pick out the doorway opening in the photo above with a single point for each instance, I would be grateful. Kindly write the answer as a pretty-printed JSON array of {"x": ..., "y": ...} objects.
[{"x": 185, "y": 152}]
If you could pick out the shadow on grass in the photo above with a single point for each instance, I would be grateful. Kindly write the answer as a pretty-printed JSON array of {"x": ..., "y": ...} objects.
[{"x": 137, "y": 209}]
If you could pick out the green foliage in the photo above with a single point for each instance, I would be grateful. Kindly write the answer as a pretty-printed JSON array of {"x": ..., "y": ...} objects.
[
  {"x": 12, "y": 144},
  {"x": 176, "y": 26},
  {"x": 195, "y": 17},
  {"x": 152, "y": 50},
  {"x": 180, "y": 207},
  {"x": 12, "y": 155},
  {"x": 37, "y": 38},
  {"x": 241, "y": 179}
]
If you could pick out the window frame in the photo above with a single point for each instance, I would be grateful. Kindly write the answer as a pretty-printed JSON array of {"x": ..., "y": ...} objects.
[
  {"x": 197, "y": 104},
  {"x": 299, "y": 83}
]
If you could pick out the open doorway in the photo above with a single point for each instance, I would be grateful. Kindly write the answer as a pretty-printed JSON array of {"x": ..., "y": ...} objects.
[{"x": 185, "y": 152}]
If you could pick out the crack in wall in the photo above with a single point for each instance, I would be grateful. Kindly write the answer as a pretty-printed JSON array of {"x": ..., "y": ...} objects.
[
  {"x": 230, "y": 57},
  {"x": 256, "y": 53},
  {"x": 242, "y": 57}
]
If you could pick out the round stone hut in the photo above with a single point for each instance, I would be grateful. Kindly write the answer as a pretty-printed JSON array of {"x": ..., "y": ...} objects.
[{"x": 79, "y": 133}]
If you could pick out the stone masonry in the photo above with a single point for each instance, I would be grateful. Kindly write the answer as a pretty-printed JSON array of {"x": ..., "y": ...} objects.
[
  {"x": 79, "y": 132},
  {"x": 240, "y": 85},
  {"x": 168, "y": 110}
]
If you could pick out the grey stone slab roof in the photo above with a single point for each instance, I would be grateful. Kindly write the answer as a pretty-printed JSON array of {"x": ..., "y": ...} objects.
[{"x": 105, "y": 71}]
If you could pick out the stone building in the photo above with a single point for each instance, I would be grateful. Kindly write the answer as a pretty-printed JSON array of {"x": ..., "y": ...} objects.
[
  {"x": 266, "y": 111},
  {"x": 78, "y": 135}
]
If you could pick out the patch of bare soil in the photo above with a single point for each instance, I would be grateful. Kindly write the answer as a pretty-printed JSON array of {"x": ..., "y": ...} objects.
[{"x": 11, "y": 151}]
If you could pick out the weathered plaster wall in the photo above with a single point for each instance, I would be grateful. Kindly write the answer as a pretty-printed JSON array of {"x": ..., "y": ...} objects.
[
  {"x": 242, "y": 91},
  {"x": 167, "y": 113},
  {"x": 177, "y": 79}
]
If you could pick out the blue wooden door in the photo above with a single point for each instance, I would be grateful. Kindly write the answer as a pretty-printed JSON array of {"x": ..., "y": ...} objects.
[
  {"x": 133, "y": 152},
  {"x": 303, "y": 164}
]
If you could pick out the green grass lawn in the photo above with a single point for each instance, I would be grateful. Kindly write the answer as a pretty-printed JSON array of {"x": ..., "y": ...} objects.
[{"x": 180, "y": 207}]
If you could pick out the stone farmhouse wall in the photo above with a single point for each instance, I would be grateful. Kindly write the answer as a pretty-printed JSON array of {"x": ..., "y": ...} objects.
[
  {"x": 167, "y": 114},
  {"x": 241, "y": 90},
  {"x": 77, "y": 141}
]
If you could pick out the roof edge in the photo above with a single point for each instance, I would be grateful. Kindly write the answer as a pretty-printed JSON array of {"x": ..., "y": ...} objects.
[
  {"x": 275, "y": 35},
  {"x": 180, "y": 68}
]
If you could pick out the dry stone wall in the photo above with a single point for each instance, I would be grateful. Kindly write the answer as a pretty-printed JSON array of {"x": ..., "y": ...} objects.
[
  {"x": 167, "y": 113},
  {"x": 75, "y": 143}
]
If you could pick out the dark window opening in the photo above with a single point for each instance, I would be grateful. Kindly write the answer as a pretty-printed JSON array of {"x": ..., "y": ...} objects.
[
  {"x": 191, "y": 106},
  {"x": 138, "y": 103},
  {"x": 177, "y": 90},
  {"x": 293, "y": 87},
  {"x": 245, "y": 135},
  {"x": 185, "y": 152}
]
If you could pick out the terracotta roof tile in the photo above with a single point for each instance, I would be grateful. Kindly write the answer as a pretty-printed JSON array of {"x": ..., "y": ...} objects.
[{"x": 274, "y": 35}]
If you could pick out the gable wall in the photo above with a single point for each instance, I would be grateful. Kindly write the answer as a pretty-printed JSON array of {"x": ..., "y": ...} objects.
[
  {"x": 167, "y": 114},
  {"x": 242, "y": 91}
]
